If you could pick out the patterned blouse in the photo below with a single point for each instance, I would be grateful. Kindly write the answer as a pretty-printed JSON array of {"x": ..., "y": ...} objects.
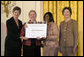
[
  {"x": 29, "y": 41},
  {"x": 52, "y": 39}
]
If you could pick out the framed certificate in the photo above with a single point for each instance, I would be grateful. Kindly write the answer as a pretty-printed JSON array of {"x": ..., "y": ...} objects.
[{"x": 36, "y": 30}]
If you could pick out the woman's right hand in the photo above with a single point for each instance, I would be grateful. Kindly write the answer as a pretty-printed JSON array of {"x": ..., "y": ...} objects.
[{"x": 24, "y": 38}]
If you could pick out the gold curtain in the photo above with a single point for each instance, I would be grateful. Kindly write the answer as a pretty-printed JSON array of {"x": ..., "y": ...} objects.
[{"x": 56, "y": 8}]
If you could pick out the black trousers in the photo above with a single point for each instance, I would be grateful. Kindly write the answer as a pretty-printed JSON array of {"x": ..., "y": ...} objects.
[
  {"x": 12, "y": 48},
  {"x": 11, "y": 51},
  {"x": 31, "y": 51}
]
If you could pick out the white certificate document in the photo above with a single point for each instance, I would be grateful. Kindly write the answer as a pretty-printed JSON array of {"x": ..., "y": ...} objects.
[{"x": 36, "y": 30}]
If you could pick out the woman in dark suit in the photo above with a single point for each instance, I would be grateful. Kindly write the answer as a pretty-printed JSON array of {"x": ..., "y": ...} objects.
[{"x": 12, "y": 41}]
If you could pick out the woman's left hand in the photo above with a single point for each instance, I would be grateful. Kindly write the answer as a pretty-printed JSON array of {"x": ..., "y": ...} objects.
[
  {"x": 41, "y": 38},
  {"x": 38, "y": 38},
  {"x": 75, "y": 49}
]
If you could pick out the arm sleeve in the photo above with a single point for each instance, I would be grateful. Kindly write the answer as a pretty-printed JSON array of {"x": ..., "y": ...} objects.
[{"x": 76, "y": 33}]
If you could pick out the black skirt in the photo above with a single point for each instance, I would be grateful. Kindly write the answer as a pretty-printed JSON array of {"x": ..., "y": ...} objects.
[
  {"x": 12, "y": 51},
  {"x": 12, "y": 47},
  {"x": 31, "y": 51}
]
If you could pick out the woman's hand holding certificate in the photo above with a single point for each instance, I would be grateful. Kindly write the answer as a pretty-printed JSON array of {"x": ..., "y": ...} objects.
[{"x": 24, "y": 38}]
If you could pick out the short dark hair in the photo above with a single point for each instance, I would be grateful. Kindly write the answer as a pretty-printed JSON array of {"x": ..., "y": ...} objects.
[
  {"x": 68, "y": 9},
  {"x": 17, "y": 8},
  {"x": 50, "y": 16}
]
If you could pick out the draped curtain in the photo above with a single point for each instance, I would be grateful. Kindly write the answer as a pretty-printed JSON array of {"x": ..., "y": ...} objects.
[{"x": 56, "y": 8}]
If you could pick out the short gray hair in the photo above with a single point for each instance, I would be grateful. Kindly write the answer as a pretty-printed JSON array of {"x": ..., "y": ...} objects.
[{"x": 33, "y": 11}]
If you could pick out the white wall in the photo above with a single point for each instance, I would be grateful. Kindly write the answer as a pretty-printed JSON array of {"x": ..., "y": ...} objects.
[{"x": 25, "y": 6}]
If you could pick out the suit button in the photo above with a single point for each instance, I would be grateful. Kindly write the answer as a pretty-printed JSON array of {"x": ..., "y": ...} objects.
[
  {"x": 65, "y": 30},
  {"x": 64, "y": 39}
]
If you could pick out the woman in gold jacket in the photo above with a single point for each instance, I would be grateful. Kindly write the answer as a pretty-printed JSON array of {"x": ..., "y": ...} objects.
[
  {"x": 68, "y": 34},
  {"x": 51, "y": 42}
]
